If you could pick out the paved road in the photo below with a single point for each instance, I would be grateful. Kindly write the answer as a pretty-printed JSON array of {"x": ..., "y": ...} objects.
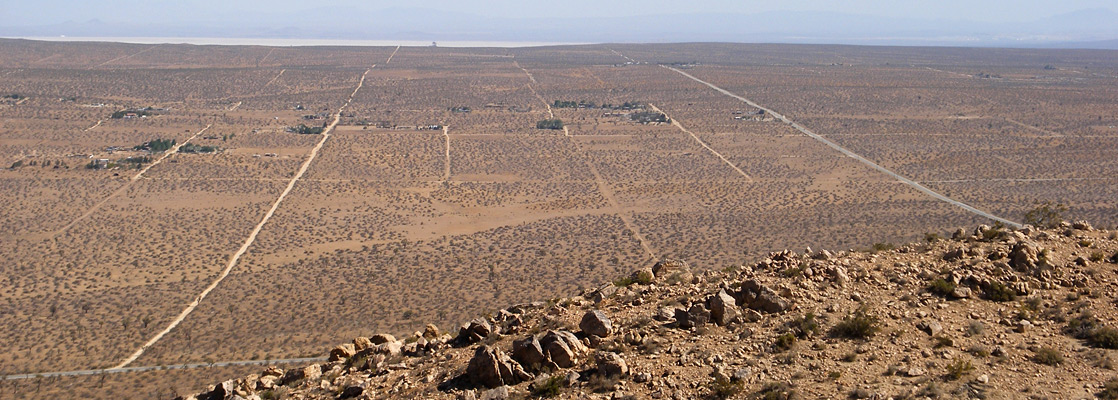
[
  {"x": 162, "y": 367},
  {"x": 855, "y": 156}
]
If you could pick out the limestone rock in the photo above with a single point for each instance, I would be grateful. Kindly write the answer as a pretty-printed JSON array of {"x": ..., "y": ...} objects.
[
  {"x": 530, "y": 354},
  {"x": 595, "y": 322},
  {"x": 758, "y": 297},
  {"x": 933, "y": 328},
  {"x": 672, "y": 271},
  {"x": 474, "y": 331},
  {"x": 382, "y": 338},
  {"x": 342, "y": 352},
  {"x": 362, "y": 343},
  {"x": 611, "y": 364},
  {"x": 431, "y": 331},
  {"x": 724, "y": 308},
  {"x": 490, "y": 367}
]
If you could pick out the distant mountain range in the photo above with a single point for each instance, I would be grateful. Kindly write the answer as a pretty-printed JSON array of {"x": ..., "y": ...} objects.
[{"x": 1093, "y": 28}]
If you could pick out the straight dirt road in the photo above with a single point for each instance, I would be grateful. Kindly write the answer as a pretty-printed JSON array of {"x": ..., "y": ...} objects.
[
  {"x": 252, "y": 236},
  {"x": 853, "y": 155}
]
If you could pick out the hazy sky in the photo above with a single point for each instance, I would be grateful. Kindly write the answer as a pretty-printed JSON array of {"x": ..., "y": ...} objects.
[{"x": 38, "y": 12}]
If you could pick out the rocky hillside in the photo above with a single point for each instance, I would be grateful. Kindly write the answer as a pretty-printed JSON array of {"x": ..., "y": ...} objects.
[{"x": 994, "y": 313}]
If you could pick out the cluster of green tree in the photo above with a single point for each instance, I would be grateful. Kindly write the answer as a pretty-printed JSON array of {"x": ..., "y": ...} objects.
[
  {"x": 157, "y": 145},
  {"x": 550, "y": 124},
  {"x": 14, "y": 96},
  {"x": 137, "y": 160},
  {"x": 305, "y": 130},
  {"x": 139, "y": 113},
  {"x": 97, "y": 165},
  {"x": 193, "y": 148},
  {"x": 646, "y": 117},
  {"x": 590, "y": 104}
]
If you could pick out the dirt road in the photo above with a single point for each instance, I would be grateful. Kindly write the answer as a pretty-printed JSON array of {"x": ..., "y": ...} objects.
[
  {"x": 853, "y": 155},
  {"x": 252, "y": 236}
]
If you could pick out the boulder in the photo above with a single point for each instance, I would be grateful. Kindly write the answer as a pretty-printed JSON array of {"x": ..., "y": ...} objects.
[
  {"x": 758, "y": 297},
  {"x": 431, "y": 331},
  {"x": 611, "y": 364},
  {"x": 310, "y": 373},
  {"x": 342, "y": 352},
  {"x": 1024, "y": 256},
  {"x": 474, "y": 331},
  {"x": 382, "y": 338},
  {"x": 724, "y": 308},
  {"x": 595, "y": 322},
  {"x": 643, "y": 276},
  {"x": 953, "y": 255},
  {"x": 672, "y": 271},
  {"x": 530, "y": 354},
  {"x": 219, "y": 391},
  {"x": 603, "y": 293},
  {"x": 390, "y": 348},
  {"x": 362, "y": 343},
  {"x": 695, "y": 316},
  {"x": 562, "y": 348},
  {"x": 961, "y": 292},
  {"x": 501, "y": 393},
  {"x": 490, "y": 367},
  {"x": 933, "y": 328}
]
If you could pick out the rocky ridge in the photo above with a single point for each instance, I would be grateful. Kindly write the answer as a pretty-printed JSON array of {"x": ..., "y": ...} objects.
[{"x": 990, "y": 313}]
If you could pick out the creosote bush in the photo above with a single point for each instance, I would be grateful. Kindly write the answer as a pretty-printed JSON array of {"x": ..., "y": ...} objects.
[
  {"x": 549, "y": 387},
  {"x": 722, "y": 388},
  {"x": 958, "y": 369},
  {"x": 784, "y": 342},
  {"x": 1109, "y": 390},
  {"x": 998, "y": 291},
  {"x": 941, "y": 287},
  {"x": 776, "y": 391},
  {"x": 1048, "y": 356},
  {"x": 858, "y": 325}
]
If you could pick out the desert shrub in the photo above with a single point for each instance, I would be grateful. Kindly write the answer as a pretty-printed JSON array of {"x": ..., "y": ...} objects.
[
  {"x": 958, "y": 368},
  {"x": 858, "y": 325},
  {"x": 643, "y": 277},
  {"x": 623, "y": 282},
  {"x": 723, "y": 388},
  {"x": 1090, "y": 329},
  {"x": 850, "y": 357},
  {"x": 1046, "y": 215},
  {"x": 1096, "y": 256},
  {"x": 550, "y": 124},
  {"x": 943, "y": 341},
  {"x": 941, "y": 287},
  {"x": 1109, "y": 390},
  {"x": 880, "y": 247},
  {"x": 1105, "y": 337},
  {"x": 1048, "y": 356},
  {"x": 998, "y": 291},
  {"x": 975, "y": 328},
  {"x": 784, "y": 342},
  {"x": 303, "y": 129},
  {"x": 931, "y": 237},
  {"x": 549, "y": 387},
  {"x": 600, "y": 383},
  {"x": 776, "y": 391},
  {"x": 805, "y": 326},
  {"x": 979, "y": 350}
]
